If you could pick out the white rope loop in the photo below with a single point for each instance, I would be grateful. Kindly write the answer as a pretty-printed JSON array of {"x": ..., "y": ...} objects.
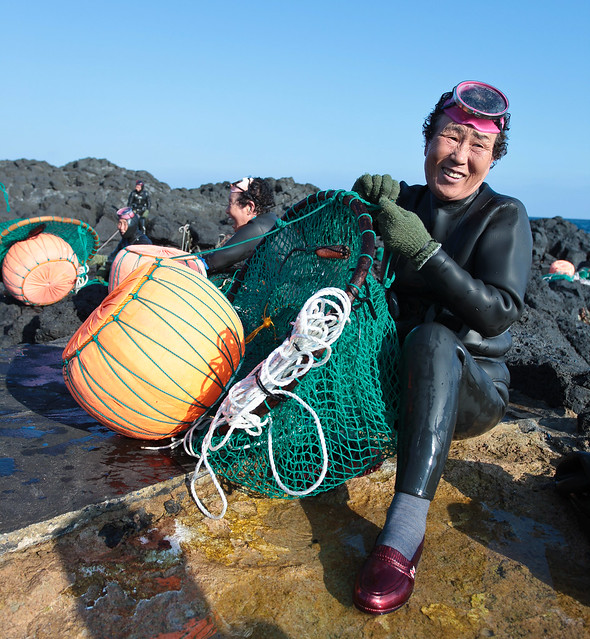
[
  {"x": 185, "y": 233},
  {"x": 322, "y": 439},
  {"x": 317, "y": 326},
  {"x": 81, "y": 277}
]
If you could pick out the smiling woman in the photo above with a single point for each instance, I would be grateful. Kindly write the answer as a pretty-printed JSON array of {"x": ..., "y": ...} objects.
[
  {"x": 458, "y": 159},
  {"x": 458, "y": 257},
  {"x": 249, "y": 208}
]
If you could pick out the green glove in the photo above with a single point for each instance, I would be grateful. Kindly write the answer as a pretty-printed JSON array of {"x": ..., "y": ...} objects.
[
  {"x": 373, "y": 187},
  {"x": 404, "y": 233},
  {"x": 145, "y": 214},
  {"x": 98, "y": 260}
]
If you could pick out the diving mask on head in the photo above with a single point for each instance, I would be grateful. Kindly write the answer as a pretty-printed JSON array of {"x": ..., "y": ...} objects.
[{"x": 479, "y": 104}]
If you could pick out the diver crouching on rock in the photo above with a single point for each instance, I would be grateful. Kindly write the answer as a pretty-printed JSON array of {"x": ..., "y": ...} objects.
[
  {"x": 461, "y": 255},
  {"x": 128, "y": 225}
]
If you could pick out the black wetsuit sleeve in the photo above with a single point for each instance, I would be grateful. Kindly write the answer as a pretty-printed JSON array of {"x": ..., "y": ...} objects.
[
  {"x": 238, "y": 248},
  {"x": 489, "y": 296}
]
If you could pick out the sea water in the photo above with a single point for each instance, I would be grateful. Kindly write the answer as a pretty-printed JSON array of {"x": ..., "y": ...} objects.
[{"x": 581, "y": 224}]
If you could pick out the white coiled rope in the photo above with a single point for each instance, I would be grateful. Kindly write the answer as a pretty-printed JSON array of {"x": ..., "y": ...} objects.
[
  {"x": 318, "y": 325},
  {"x": 186, "y": 237},
  {"x": 82, "y": 277}
]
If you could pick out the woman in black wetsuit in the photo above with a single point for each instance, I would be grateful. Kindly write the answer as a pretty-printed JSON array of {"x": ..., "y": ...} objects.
[
  {"x": 461, "y": 255},
  {"x": 139, "y": 200},
  {"x": 129, "y": 226},
  {"x": 249, "y": 207}
]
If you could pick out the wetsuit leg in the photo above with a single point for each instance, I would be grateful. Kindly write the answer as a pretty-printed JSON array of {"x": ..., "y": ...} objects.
[{"x": 444, "y": 391}]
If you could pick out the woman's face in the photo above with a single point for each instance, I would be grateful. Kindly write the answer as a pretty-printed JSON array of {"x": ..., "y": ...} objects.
[
  {"x": 122, "y": 226},
  {"x": 239, "y": 214},
  {"x": 458, "y": 159}
]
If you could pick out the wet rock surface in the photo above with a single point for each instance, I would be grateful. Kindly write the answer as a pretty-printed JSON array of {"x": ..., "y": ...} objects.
[
  {"x": 55, "y": 457},
  {"x": 504, "y": 557}
]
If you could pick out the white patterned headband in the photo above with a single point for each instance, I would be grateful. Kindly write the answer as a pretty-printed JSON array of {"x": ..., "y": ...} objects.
[{"x": 242, "y": 186}]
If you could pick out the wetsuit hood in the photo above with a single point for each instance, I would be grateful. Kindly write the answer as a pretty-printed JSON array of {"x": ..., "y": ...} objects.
[{"x": 133, "y": 229}]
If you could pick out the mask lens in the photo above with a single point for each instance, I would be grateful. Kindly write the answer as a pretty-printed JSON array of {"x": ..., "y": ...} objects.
[{"x": 481, "y": 99}]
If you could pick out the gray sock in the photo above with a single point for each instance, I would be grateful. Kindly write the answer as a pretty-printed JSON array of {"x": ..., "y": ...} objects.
[{"x": 405, "y": 524}]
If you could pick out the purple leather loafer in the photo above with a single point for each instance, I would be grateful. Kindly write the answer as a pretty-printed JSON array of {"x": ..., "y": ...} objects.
[{"x": 385, "y": 581}]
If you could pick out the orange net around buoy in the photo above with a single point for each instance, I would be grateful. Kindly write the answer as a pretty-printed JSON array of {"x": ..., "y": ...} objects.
[
  {"x": 157, "y": 353},
  {"x": 40, "y": 270},
  {"x": 131, "y": 257}
]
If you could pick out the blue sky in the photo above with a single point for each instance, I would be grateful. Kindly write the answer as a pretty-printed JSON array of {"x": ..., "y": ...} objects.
[{"x": 321, "y": 91}]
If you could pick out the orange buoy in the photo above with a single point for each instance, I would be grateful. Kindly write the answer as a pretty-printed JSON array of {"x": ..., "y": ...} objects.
[
  {"x": 563, "y": 267},
  {"x": 157, "y": 353},
  {"x": 40, "y": 270},
  {"x": 129, "y": 258}
]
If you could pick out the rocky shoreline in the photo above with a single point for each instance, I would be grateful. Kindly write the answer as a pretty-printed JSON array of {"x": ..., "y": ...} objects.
[{"x": 550, "y": 358}]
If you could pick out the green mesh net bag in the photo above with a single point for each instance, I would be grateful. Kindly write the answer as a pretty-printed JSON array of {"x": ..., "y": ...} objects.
[
  {"x": 317, "y": 393},
  {"x": 44, "y": 258},
  {"x": 79, "y": 235}
]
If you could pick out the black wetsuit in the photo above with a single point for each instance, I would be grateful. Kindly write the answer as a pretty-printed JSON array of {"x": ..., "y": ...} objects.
[
  {"x": 233, "y": 251},
  {"x": 139, "y": 201},
  {"x": 453, "y": 317},
  {"x": 133, "y": 235}
]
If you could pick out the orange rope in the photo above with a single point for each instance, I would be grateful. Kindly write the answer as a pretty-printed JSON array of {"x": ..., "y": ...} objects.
[{"x": 266, "y": 323}]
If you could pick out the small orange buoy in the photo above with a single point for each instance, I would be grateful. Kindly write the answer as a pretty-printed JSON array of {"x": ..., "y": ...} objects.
[
  {"x": 156, "y": 354},
  {"x": 40, "y": 270},
  {"x": 129, "y": 258},
  {"x": 563, "y": 267}
]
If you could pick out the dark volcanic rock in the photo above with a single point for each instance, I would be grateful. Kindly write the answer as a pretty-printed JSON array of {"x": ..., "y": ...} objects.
[
  {"x": 550, "y": 358},
  {"x": 38, "y": 325},
  {"x": 92, "y": 190}
]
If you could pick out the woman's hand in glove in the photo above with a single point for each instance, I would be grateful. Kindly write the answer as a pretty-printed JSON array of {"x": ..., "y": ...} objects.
[
  {"x": 373, "y": 187},
  {"x": 98, "y": 260},
  {"x": 404, "y": 233}
]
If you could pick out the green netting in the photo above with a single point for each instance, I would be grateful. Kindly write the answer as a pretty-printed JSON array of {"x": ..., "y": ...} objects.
[
  {"x": 355, "y": 394},
  {"x": 79, "y": 235},
  {"x": 3, "y": 189}
]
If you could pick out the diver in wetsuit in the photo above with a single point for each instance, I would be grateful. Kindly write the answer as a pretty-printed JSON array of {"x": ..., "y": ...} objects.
[
  {"x": 461, "y": 255},
  {"x": 139, "y": 200},
  {"x": 249, "y": 207}
]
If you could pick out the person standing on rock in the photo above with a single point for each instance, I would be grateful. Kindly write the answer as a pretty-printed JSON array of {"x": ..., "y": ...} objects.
[
  {"x": 250, "y": 209},
  {"x": 139, "y": 201},
  {"x": 461, "y": 255}
]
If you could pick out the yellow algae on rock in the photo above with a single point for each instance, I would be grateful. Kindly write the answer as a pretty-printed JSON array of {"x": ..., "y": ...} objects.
[
  {"x": 244, "y": 527},
  {"x": 446, "y": 616},
  {"x": 478, "y": 610}
]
